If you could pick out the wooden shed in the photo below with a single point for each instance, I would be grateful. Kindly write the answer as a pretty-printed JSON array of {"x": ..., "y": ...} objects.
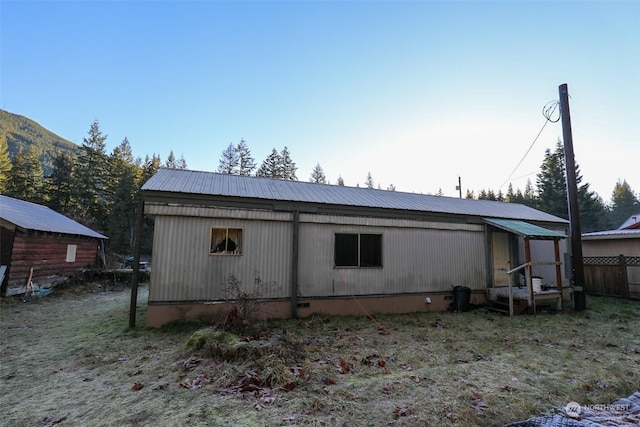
[
  {"x": 37, "y": 241},
  {"x": 301, "y": 248}
]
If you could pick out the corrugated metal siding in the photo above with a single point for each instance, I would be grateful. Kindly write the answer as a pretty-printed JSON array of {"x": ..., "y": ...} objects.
[
  {"x": 206, "y": 212},
  {"x": 183, "y": 269},
  {"x": 414, "y": 260},
  {"x": 626, "y": 247}
]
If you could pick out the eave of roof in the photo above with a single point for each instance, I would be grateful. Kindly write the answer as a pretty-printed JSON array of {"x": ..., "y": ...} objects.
[
  {"x": 182, "y": 183},
  {"x": 524, "y": 229},
  {"x": 612, "y": 234}
]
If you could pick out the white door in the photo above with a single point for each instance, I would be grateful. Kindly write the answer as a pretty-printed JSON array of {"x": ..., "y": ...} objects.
[{"x": 501, "y": 258}]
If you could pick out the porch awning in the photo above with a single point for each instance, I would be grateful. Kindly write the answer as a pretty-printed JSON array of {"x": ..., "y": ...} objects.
[{"x": 524, "y": 229}]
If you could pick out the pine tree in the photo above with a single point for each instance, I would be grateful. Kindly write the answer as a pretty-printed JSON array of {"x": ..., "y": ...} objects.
[
  {"x": 171, "y": 162},
  {"x": 182, "y": 163},
  {"x": 5, "y": 165},
  {"x": 288, "y": 166},
  {"x": 271, "y": 166},
  {"x": 92, "y": 178},
  {"x": 229, "y": 161},
  {"x": 624, "y": 203},
  {"x": 122, "y": 221},
  {"x": 246, "y": 162},
  {"x": 340, "y": 181},
  {"x": 552, "y": 193},
  {"x": 59, "y": 185},
  {"x": 26, "y": 178},
  {"x": 369, "y": 181},
  {"x": 529, "y": 196},
  {"x": 317, "y": 175},
  {"x": 391, "y": 187},
  {"x": 552, "y": 184}
]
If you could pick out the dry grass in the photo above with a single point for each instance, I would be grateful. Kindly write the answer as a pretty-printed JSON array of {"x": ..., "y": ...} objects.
[{"x": 68, "y": 359}]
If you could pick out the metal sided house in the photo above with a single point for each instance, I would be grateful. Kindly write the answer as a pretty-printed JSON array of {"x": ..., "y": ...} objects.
[{"x": 301, "y": 248}]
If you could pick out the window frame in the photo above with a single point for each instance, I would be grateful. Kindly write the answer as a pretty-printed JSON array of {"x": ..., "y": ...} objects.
[
  {"x": 373, "y": 253},
  {"x": 236, "y": 235}
]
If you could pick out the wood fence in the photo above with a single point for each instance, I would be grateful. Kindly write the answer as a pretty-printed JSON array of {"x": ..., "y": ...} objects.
[{"x": 617, "y": 276}]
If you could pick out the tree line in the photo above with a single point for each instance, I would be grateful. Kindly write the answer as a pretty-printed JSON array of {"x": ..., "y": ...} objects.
[
  {"x": 548, "y": 195},
  {"x": 102, "y": 190}
]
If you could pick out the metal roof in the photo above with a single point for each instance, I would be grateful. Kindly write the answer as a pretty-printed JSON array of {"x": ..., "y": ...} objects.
[
  {"x": 248, "y": 187},
  {"x": 31, "y": 216},
  {"x": 524, "y": 229},
  {"x": 629, "y": 233}
]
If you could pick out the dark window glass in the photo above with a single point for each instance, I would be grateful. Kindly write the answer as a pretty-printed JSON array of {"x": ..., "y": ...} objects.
[
  {"x": 346, "y": 250},
  {"x": 358, "y": 250},
  {"x": 370, "y": 250}
]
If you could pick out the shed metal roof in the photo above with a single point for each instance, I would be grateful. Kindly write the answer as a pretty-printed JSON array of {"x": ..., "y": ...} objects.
[
  {"x": 31, "y": 216},
  {"x": 628, "y": 233},
  {"x": 248, "y": 187},
  {"x": 524, "y": 229}
]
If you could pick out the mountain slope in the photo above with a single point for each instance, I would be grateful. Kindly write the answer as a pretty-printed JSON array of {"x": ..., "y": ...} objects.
[{"x": 23, "y": 132}]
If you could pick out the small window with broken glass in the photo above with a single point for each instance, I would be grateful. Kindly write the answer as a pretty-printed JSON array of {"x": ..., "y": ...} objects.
[{"x": 226, "y": 241}]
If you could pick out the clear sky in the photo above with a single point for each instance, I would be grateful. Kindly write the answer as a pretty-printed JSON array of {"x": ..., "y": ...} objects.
[{"x": 415, "y": 92}]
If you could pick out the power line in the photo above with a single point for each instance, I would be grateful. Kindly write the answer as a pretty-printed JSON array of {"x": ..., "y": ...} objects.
[{"x": 547, "y": 111}]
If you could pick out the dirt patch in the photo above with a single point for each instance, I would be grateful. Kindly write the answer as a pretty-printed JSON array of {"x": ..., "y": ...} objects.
[{"x": 69, "y": 359}]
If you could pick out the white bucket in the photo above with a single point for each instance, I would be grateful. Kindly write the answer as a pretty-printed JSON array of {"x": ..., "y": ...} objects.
[{"x": 536, "y": 282}]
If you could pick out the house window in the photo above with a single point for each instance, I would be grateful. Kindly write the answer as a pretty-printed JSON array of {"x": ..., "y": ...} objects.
[
  {"x": 358, "y": 250},
  {"x": 71, "y": 253},
  {"x": 226, "y": 241}
]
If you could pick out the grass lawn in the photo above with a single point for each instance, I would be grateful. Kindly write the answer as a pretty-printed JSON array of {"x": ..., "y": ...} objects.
[{"x": 69, "y": 359}]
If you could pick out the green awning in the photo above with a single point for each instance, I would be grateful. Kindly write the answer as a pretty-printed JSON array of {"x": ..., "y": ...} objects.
[{"x": 524, "y": 229}]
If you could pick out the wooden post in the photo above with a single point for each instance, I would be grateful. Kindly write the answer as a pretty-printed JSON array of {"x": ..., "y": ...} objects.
[
  {"x": 136, "y": 263},
  {"x": 624, "y": 279},
  {"x": 529, "y": 273},
  {"x": 294, "y": 263},
  {"x": 556, "y": 250},
  {"x": 579, "y": 297}
]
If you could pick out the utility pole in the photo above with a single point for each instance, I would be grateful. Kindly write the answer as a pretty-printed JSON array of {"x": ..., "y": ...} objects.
[
  {"x": 459, "y": 186},
  {"x": 577, "y": 265}
]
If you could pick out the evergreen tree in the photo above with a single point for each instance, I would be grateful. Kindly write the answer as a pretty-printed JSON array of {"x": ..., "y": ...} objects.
[
  {"x": 317, "y": 175},
  {"x": 271, "y": 166},
  {"x": 59, "y": 185},
  {"x": 624, "y": 203},
  {"x": 391, "y": 187},
  {"x": 149, "y": 167},
  {"x": 92, "y": 176},
  {"x": 510, "y": 197},
  {"x": 182, "y": 163},
  {"x": 552, "y": 184},
  {"x": 122, "y": 221},
  {"x": 26, "y": 178},
  {"x": 246, "y": 162},
  {"x": 288, "y": 166},
  {"x": 229, "y": 161},
  {"x": 529, "y": 196},
  {"x": 5, "y": 165},
  {"x": 340, "y": 181},
  {"x": 482, "y": 195},
  {"x": 552, "y": 193},
  {"x": 171, "y": 162},
  {"x": 470, "y": 195},
  {"x": 369, "y": 181}
]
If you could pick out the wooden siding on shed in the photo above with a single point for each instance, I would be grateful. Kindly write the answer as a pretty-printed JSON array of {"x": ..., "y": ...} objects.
[{"x": 46, "y": 253}]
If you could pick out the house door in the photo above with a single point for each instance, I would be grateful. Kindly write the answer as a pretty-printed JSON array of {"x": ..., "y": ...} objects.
[{"x": 501, "y": 258}]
